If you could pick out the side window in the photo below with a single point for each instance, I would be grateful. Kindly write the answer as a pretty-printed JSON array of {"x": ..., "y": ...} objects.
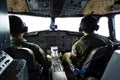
[
  {"x": 117, "y": 27},
  {"x": 103, "y": 27}
]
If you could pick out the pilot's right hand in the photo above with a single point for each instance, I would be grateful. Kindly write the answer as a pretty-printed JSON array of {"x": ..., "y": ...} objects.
[{"x": 48, "y": 56}]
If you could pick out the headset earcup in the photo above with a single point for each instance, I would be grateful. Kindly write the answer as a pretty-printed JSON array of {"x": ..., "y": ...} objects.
[
  {"x": 81, "y": 26},
  {"x": 25, "y": 29},
  {"x": 97, "y": 27},
  {"x": 80, "y": 29}
]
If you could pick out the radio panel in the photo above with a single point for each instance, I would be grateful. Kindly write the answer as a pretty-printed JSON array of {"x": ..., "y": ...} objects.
[
  {"x": 57, "y": 68},
  {"x": 5, "y": 61}
]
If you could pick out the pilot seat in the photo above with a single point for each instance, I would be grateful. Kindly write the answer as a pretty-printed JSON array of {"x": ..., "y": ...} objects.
[
  {"x": 28, "y": 55},
  {"x": 95, "y": 62}
]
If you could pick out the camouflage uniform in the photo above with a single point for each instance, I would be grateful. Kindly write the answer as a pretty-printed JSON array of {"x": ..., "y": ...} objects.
[
  {"x": 83, "y": 47},
  {"x": 39, "y": 53}
]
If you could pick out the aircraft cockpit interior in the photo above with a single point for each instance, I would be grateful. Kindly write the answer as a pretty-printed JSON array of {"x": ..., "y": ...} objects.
[{"x": 54, "y": 25}]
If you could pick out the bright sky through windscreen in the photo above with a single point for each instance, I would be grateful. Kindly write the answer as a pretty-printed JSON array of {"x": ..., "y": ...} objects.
[{"x": 36, "y": 23}]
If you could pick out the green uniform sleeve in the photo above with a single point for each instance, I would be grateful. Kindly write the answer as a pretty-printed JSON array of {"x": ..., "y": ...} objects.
[{"x": 41, "y": 57}]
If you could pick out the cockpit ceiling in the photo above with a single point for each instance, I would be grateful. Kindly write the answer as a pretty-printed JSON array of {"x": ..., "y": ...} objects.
[{"x": 63, "y": 8}]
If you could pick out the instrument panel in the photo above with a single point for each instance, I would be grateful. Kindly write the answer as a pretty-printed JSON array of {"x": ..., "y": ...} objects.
[{"x": 46, "y": 39}]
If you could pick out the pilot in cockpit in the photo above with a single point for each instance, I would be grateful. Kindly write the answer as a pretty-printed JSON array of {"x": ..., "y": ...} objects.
[
  {"x": 17, "y": 30},
  {"x": 87, "y": 42}
]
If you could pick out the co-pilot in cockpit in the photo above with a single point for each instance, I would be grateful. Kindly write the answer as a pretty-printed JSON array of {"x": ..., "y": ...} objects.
[{"x": 8, "y": 65}]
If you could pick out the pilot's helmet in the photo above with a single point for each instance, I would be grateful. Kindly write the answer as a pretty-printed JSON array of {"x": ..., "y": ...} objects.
[
  {"x": 16, "y": 25},
  {"x": 88, "y": 24}
]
